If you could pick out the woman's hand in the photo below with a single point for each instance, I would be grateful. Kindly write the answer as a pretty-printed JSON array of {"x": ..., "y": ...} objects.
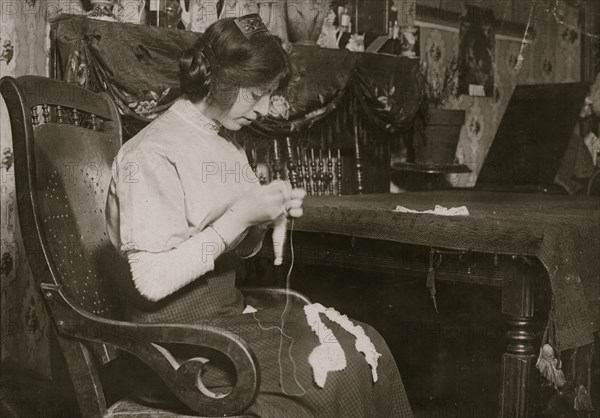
[{"x": 269, "y": 202}]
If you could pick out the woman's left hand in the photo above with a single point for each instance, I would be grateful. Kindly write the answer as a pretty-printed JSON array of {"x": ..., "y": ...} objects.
[{"x": 294, "y": 207}]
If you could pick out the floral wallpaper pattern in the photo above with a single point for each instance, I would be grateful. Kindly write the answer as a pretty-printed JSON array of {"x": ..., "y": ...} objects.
[
  {"x": 24, "y": 327},
  {"x": 553, "y": 56},
  {"x": 435, "y": 49}
]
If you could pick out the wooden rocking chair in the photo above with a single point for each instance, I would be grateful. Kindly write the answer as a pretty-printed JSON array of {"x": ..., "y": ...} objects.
[{"x": 65, "y": 138}]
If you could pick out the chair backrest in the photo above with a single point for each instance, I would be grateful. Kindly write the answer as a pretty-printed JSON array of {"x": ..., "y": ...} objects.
[{"x": 65, "y": 139}]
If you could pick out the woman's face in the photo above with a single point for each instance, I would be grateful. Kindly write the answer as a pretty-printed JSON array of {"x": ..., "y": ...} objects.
[{"x": 249, "y": 105}]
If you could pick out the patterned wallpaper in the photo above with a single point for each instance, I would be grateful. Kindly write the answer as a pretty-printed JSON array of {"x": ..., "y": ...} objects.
[
  {"x": 24, "y": 44},
  {"x": 553, "y": 56}
]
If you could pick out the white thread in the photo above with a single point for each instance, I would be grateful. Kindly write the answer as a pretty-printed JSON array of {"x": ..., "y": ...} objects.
[{"x": 280, "y": 328}]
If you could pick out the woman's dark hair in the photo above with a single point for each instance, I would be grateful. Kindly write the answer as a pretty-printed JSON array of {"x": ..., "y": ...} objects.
[{"x": 223, "y": 60}]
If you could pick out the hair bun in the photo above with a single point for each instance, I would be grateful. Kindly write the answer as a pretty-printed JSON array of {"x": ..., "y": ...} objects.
[{"x": 194, "y": 71}]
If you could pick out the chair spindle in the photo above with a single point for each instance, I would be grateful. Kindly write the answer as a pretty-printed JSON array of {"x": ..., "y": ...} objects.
[
  {"x": 35, "y": 117},
  {"x": 94, "y": 122},
  {"x": 60, "y": 114},
  {"x": 339, "y": 171},
  {"x": 276, "y": 161},
  {"x": 291, "y": 164},
  {"x": 46, "y": 113},
  {"x": 330, "y": 171},
  {"x": 358, "y": 163},
  {"x": 76, "y": 117}
]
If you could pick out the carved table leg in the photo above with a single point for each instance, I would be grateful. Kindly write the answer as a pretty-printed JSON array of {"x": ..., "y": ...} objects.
[{"x": 518, "y": 362}]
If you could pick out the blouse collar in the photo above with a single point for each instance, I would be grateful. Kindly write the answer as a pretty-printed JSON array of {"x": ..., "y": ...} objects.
[{"x": 185, "y": 108}]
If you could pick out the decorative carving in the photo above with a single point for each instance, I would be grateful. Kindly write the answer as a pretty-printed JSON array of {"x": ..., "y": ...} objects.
[
  {"x": 35, "y": 117},
  {"x": 60, "y": 114},
  {"x": 316, "y": 172},
  {"x": 94, "y": 122},
  {"x": 300, "y": 168},
  {"x": 291, "y": 164},
  {"x": 307, "y": 175},
  {"x": 339, "y": 171},
  {"x": 358, "y": 163},
  {"x": 276, "y": 165},
  {"x": 250, "y": 24},
  {"x": 46, "y": 113},
  {"x": 330, "y": 171},
  {"x": 102, "y": 10},
  {"x": 76, "y": 117}
]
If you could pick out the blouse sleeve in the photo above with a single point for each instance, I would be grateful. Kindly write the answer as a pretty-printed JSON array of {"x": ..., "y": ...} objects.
[
  {"x": 150, "y": 204},
  {"x": 146, "y": 206}
]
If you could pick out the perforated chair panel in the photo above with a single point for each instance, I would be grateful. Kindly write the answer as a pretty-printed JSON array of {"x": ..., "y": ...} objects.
[
  {"x": 73, "y": 173},
  {"x": 58, "y": 129}
]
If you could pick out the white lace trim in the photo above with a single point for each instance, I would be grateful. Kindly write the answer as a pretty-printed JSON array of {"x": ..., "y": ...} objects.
[{"x": 329, "y": 355}]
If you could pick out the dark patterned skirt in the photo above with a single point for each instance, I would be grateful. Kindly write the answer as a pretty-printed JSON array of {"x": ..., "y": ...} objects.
[{"x": 287, "y": 387}]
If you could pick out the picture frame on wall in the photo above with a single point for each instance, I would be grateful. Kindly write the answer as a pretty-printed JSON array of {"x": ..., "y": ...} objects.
[
  {"x": 373, "y": 16},
  {"x": 476, "y": 52}
]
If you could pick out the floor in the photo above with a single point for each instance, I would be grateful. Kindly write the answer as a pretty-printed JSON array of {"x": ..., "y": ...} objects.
[{"x": 24, "y": 394}]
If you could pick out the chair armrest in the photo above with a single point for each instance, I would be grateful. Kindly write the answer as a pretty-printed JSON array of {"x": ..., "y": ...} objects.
[
  {"x": 143, "y": 341},
  {"x": 270, "y": 293}
]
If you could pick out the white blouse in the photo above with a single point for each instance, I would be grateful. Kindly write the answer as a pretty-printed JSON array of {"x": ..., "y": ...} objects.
[{"x": 169, "y": 182}]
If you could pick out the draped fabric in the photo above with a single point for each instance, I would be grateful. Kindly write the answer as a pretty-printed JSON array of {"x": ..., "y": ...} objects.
[{"x": 137, "y": 65}]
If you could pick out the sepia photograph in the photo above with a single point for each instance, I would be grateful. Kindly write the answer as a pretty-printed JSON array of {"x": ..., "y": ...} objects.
[{"x": 300, "y": 208}]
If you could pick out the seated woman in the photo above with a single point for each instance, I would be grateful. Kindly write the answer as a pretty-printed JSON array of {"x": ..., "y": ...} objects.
[{"x": 183, "y": 200}]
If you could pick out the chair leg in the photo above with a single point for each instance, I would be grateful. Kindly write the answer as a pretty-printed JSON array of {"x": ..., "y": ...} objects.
[{"x": 85, "y": 378}]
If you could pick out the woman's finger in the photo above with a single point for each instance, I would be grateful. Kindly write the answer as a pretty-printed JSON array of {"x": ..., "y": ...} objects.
[
  {"x": 298, "y": 194},
  {"x": 294, "y": 203},
  {"x": 295, "y": 212}
]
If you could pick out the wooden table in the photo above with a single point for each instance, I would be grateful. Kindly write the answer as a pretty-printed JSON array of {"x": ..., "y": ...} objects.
[{"x": 361, "y": 232}]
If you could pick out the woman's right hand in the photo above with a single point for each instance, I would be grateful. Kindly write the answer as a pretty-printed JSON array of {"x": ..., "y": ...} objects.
[{"x": 269, "y": 202}]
